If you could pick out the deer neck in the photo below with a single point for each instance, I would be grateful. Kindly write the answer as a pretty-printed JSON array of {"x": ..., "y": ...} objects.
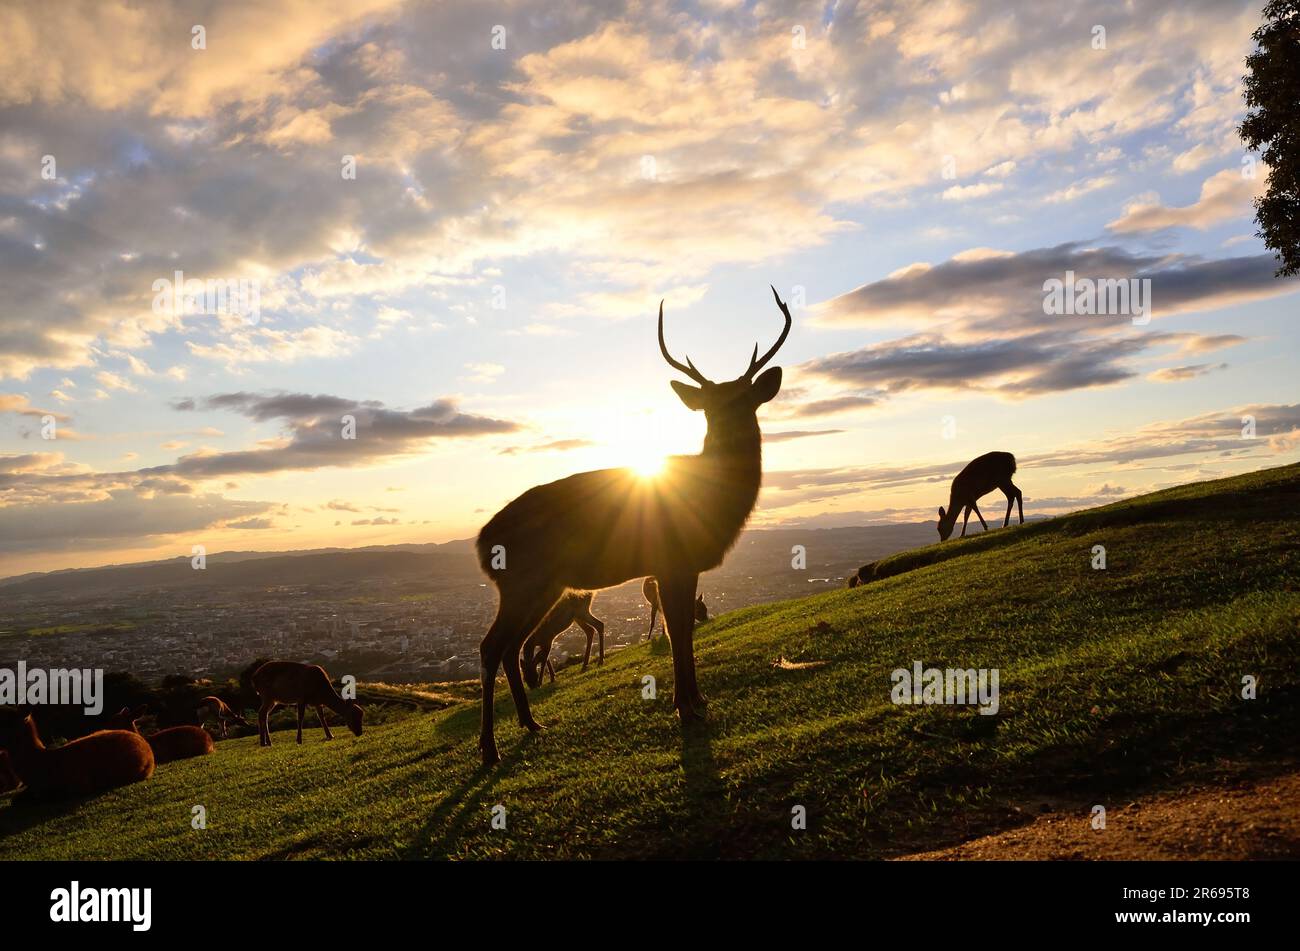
[
  {"x": 735, "y": 446},
  {"x": 734, "y": 452}
]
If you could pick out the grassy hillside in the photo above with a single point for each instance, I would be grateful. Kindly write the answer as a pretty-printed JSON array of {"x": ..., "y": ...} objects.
[{"x": 1111, "y": 681}]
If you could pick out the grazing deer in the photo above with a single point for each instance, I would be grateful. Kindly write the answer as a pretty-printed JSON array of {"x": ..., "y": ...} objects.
[
  {"x": 993, "y": 470},
  {"x": 173, "y": 743},
  {"x": 598, "y": 529},
  {"x": 84, "y": 767},
  {"x": 215, "y": 708},
  {"x": 573, "y": 608},
  {"x": 283, "y": 682},
  {"x": 650, "y": 591}
]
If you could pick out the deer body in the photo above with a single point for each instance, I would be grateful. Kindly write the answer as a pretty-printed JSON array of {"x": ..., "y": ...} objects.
[
  {"x": 216, "y": 708},
  {"x": 982, "y": 475},
  {"x": 573, "y": 608},
  {"x": 284, "y": 683},
  {"x": 173, "y": 743},
  {"x": 598, "y": 529},
  {"x": 650, "y": 591},
  {"x": 84, "y": 767}
]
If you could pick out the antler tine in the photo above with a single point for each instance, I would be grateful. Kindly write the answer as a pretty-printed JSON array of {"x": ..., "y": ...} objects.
[
  {"x": 756, "y": 364},
  {"x": 689, "y": 369}
]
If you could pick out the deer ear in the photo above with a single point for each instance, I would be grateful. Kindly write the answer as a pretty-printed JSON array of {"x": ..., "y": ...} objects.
[
  {"x": 941, "y": 512},
  {"x": 692, "y": 396},
  {"x": 123, "y": 712},
  {"x": 767, "y": 385}
]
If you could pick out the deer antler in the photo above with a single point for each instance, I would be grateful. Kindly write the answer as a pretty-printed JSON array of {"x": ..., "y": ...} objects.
[
  {"x": 755, "y": 364},
  {"x": 689, "y": 369}
]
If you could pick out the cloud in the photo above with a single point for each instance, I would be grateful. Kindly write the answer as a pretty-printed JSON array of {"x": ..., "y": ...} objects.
[
  {"x": 1177, "y": 374},
  {"x": 1224, "y": 196},
  {"x": 123, "y": 515},
  {"x": 557, "y": 445},
  {"x": 316, "y": 430},
  {"x": 17, "y": 403},
  {"x": 791, "y": 434}
]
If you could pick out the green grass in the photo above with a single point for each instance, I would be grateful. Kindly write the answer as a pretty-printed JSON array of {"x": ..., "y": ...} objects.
[{"x": 1111, "y": 681}]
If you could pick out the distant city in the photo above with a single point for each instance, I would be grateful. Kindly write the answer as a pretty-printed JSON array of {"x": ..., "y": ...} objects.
[{"x": 410, "y": 614}]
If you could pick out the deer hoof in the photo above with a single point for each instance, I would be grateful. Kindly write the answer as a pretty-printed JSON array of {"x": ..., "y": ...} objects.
[
  {"x": 532, "y": 726},
  {"x": 489, "y": 754}
]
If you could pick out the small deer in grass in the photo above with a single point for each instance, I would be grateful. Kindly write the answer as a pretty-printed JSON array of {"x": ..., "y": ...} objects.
[
  {"x": 215, "y": 708},
  {"x": 993, "y": 470},
  {"x": 284, "y": 683},
  {"x": 650, "y": 591},
  {"x": 83, "y": 767},
  {"x": 573, "y": 608},
  {"x": 598, "y": 529},
  {"x": 173, "y": 743}
]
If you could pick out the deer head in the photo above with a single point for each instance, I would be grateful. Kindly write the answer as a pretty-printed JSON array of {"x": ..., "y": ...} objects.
[{"x": 734, "y": 402}]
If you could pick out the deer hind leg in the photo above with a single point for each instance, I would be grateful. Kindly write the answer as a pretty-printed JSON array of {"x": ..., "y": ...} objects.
[
  {"x": 591, "y": 636},
  {"x": 222, "y": 724},
  {"x": 979, "y": 516},
  {"x": 320, "y": 715},
  {"x": 302, "y": 712},
  {"x": 518, "y": 613},
  {"x": 1020, "y": 504},
  {"x": 677, "y": 595},
  {"x": 600, "y": 628},
  {"x": 550, "y": 669}
]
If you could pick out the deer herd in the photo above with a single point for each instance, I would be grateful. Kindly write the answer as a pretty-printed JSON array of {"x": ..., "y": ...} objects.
[{"x": 558, "y": 543}]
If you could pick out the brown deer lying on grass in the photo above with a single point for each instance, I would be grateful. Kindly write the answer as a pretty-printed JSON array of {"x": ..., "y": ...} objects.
[
  {"x": 573, "y": 608},
  {"x": 84, "y": 767},
  {"x": 598, "y": 529},
  {"x": 993, "y": 470},
  {"x": 215, "y": 708},
  {"x": 650, "y": 591},
  {"x": 173, "y": 743},
  {"x": 283, "y": 682}
]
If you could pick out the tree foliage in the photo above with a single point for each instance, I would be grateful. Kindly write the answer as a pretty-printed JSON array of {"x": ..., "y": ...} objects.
[{"x": 1272, "y": 127}]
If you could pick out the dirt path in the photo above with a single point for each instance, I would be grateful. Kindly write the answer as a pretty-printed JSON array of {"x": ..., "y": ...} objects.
[{"x": 1253, "y": 819}]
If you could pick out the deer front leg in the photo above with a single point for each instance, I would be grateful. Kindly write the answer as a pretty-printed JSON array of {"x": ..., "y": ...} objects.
[
  {"x": 654, "y": 613},
  {"x": 302, "y": 712},
  {"x": 964, "y": 521},
  {"x": 263, "y": 722},
  {"x": 980, "y": 517},
  {"x": 677, "y": 595},
  {"x": 320, "y": 715}
]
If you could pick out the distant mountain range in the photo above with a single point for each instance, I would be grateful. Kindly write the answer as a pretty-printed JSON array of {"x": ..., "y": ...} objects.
[{"x": 830, "y": 551}]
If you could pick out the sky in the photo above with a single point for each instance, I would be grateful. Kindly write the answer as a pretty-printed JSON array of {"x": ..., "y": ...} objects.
[{"x": 459, "y": 219}]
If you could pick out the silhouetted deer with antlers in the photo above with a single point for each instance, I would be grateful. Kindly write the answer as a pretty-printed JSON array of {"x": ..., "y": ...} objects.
[
  {"x": 650, "y": 591},
  {"x": 598, "y": 529},
  {"x": 993, "y": 470},
  {"x": 573, "y": 608}
]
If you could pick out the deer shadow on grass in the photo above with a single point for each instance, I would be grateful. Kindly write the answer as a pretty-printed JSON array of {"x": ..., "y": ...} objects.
[{"x": 20, "y": 812}]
